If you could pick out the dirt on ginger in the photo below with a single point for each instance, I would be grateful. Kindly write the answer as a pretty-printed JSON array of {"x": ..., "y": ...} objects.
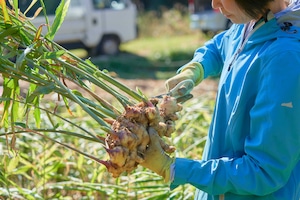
[{"x": 128, "y": 139}]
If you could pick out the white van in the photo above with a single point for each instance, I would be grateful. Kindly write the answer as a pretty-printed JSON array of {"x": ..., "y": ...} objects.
[
  {"x": 205, "y": 18},
  {"x": 99, "y": 26}
]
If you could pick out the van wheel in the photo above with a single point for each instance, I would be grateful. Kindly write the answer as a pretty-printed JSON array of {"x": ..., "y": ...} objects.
[{"x": 109, "y": 45}]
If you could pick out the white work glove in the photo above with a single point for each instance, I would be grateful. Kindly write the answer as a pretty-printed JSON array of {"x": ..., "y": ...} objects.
[
  {"x": 192, "y": 70},
  {"x": 155, "y": 158}
]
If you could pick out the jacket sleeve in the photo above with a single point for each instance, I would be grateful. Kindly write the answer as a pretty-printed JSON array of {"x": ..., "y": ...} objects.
[
  {"x": 211, "y": 55},
  {"x": 271, "y": 150},
  {"x": 215, "y": 51}
]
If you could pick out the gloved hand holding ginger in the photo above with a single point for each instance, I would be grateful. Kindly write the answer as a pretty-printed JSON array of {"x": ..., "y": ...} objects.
[{"x": 155, "y": 157}]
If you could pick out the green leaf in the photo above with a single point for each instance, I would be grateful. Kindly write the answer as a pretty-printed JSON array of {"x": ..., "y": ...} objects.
[
  {"x": 40, "y": 90},
  {"x": 8, "y": 87},
  {"x": 25, "y": 37},
  {"x": 91, "y": 64},
  {"x": 34, "y": 98},
  {"x": 66, "y": 101},
  {"x": 20, "y": 124},
  {"x": 9, "y": 84},
  {"x": 15, "y": 111},
  {"x": 21, "y": 58},
  {"x": 80, "y": 161},
  {"x": 60, "y": 13},
  {"x": 52, "y": 55},
  {"x": 16, "y": 6},
  {"x": 7, "y": 32},
  {"x": 13, "y": 163},
  {"x": 15, "y": 104},
  {"x": 141, "y": 93},
  {"x": 37, "y": 115},
  {"x": 77, "y": 93}
]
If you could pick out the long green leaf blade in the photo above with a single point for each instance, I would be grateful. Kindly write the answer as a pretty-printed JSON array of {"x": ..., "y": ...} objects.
[{"x": 60, "y": 14}]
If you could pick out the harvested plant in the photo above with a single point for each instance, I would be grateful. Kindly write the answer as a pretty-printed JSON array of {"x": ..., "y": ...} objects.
[{"x": 48, "y": 68}]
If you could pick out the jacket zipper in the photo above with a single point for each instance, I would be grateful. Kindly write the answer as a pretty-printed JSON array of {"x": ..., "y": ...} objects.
[
  {"x": 235, "y": 56},
  {"x": 243, "y": 45}
]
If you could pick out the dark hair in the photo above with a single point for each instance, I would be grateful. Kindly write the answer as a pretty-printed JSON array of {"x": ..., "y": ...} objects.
[{"x": 254, "y": 8}]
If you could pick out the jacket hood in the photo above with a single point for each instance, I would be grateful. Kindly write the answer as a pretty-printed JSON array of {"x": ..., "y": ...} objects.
[
  {"x": 289, "y": 16},
  {"x": 288, "y": 20}
]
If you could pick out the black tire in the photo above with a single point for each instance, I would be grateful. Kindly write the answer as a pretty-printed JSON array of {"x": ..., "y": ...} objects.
[{"x": 109, "y": 45}]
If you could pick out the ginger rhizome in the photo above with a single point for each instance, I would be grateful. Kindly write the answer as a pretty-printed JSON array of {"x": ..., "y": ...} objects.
[{"x": 128, "y": 138}]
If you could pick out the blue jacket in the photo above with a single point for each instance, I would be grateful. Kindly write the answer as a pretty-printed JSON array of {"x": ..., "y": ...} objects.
[{"x": 253, "y": 145}]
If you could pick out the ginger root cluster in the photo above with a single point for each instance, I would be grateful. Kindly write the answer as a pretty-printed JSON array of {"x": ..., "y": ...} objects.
[{"x": 128, "y": 138}]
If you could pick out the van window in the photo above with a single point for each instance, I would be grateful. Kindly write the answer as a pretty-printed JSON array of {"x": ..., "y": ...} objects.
[
  {"x": 112, "y": 4},
  {"x": 50, "y": 5}
]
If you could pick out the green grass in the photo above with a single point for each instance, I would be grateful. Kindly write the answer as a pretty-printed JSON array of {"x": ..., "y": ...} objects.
[
  {"x": 165, "y": 47},
  {"x": 150, "y": 57}
]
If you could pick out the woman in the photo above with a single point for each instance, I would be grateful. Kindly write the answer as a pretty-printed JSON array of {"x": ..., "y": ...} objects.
[{"x": 253, "y": 145}]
